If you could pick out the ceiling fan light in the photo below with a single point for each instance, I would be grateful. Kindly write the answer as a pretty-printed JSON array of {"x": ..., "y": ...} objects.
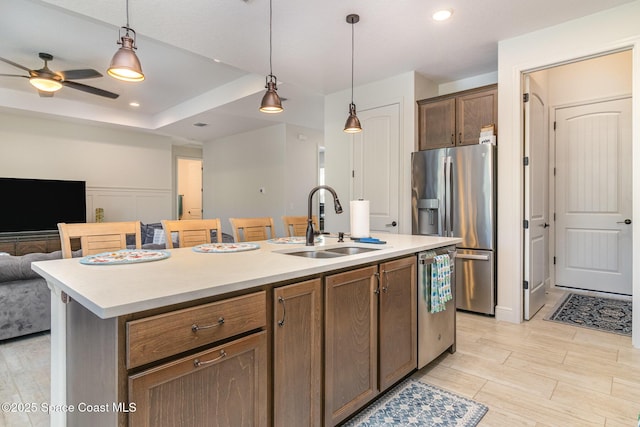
[
  {"x": 44, "y": 84},
  {"x": 125, "y": 64},
  {"x": 271, "y": 102},
  {"x": 352, "y": 124}
]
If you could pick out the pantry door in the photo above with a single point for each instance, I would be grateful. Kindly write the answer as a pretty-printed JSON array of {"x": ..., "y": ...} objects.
[
  {"x": 593, "y": 196},
  {"x": 536, "y": 247},
  {"x": 376, "y": 166}
]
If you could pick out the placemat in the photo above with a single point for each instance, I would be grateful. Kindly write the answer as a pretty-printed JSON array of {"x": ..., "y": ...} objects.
[
  {"x": 125, "y": 256},
  {"x": 225, "y": 247},
  {"x": 290, "y": 240}
]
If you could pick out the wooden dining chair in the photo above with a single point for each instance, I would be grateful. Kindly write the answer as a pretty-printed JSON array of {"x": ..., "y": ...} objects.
[
  {"x": 251, "y": 229},
  {"x": 191, "y": 232},
  {"x": 97, "y": 237},
  {"x": 297, "y": 225}
]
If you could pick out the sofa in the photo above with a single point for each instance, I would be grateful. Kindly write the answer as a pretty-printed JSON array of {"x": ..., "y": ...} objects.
[{"x": 25, "y": 299}]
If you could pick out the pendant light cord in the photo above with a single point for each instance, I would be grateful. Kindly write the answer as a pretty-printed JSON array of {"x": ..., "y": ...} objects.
[
  {"x": 270, "y": 36},
  {"x": 352, "y": 32}
]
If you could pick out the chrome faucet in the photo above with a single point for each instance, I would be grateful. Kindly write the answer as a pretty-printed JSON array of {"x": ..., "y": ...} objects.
[{"x": 336, "y": 205}]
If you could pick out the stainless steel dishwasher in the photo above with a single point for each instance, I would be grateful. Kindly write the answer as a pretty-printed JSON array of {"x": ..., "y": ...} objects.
[{"x": 436, "y": 331}]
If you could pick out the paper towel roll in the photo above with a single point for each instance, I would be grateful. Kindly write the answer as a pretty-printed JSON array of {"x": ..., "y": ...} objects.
[{"x": 359, "y": 218}]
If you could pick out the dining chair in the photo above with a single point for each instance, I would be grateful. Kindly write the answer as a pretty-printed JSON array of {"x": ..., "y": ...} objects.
[
  {"x": 251, "y": 229},
  {"x": 97, "y": 237},
  {"x": 297, "y": 225},
  {"x": 191, "y": 232}
]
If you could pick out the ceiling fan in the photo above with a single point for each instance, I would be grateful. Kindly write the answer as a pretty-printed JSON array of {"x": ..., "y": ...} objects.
[{"x": 47, "y": 81}]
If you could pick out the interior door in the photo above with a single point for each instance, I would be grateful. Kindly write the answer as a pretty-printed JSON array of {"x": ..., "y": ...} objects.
[
  {"x": 593, "y": 196},
  {"x": 536, "y": 205},
  {"x": 190, "y": 188},
  {"x": 375, "y": 166}
]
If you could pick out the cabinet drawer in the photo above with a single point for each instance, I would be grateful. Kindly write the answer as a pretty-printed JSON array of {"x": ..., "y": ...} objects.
[
  {"x": 221, "y": 386},
  {"x": 157, "y": 337}
]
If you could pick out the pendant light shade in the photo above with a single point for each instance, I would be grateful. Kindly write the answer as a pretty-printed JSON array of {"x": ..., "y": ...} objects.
[
  {"x": 353, "y": 124},
  {"x": 271, "y": 102},
  {"x": 125, "y": 64}
]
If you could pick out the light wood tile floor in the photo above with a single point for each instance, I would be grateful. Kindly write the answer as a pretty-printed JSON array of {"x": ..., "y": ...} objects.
[
  {"x": 542, "y": 373},
  {"x": 537, "y": 373}
]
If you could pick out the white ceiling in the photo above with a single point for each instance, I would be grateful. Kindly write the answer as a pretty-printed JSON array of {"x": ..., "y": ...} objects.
[{"x": 179, "y": 42}]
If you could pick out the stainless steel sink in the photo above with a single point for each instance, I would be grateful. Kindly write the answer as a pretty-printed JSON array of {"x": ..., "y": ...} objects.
[
  {"x": 350, "y": 250},
  {"x": 315, "y": 254},
  {"x": 331, "y": 252}
]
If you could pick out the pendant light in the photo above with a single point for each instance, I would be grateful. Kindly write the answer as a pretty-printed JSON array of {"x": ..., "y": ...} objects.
[
  {"x": 353, "y": 124},
  {"x": 271, "y": 102},
  {"x": 125, "y": 65}
]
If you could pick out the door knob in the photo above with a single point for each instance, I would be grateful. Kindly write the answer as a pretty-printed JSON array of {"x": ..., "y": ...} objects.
[
  {"x": 393, "y": 224},
  {"x": 545, "y": 225},
  {"x": 626, "y": 221}
]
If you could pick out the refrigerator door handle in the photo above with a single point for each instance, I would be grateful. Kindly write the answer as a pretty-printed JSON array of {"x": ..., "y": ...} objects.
[
  {"x": 450, "y": 197},
  {"x": 445, "y": 229}
]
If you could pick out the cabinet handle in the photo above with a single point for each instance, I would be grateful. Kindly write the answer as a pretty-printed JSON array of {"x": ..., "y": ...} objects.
[
  {"x": 460, "y": 138},
  {"x": 196, "y": 328},
  {"x": 197, "y": 363},
  {"x": 453, "y": 140},
  {"x": 385, "y": 287},
  {"x": 284, "y": 311},
  {"x": 377, "y": 291}
]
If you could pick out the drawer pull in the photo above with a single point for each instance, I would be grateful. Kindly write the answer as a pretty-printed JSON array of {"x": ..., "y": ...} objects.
[
  {"x": 197, "y": 363},
  {"x": 196, "y": 328}
]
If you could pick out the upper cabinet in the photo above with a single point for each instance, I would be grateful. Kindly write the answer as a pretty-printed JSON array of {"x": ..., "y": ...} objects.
[{"x": 456, "y": 119}]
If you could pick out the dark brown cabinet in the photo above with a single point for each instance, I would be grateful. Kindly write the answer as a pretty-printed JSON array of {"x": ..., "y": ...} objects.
[
  {"x": 370, "y": 334},
  {"x": 297, "y": 354},
  {"x": 222, "y": 386},
  {"x": 351, "y": 342},
  {"x": 398, "y": 321},
  {"x": 456, "y": 119}
]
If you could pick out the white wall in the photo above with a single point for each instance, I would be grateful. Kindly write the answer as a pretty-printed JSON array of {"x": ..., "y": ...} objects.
[
  {"x": 125, "y": 172},
  {"x": 302, "y": 169},
  {"x": 273, "y": 158},
  {"x": 606, "y": 31},
  {"x": 399, "y": 89},
  {"x": 593, "y": 79}
]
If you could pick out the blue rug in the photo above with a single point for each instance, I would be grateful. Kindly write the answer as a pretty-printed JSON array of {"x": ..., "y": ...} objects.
[
  {"x": 603, "y": 314},
  {"x": 414, "y": 403}
]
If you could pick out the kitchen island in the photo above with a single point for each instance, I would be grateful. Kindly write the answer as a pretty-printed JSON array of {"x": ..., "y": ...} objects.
[{"x": 127, "y": 339}]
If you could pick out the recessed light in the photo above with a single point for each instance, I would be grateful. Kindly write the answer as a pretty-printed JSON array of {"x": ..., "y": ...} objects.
[
  {"x": 134, "y": 104},
  {"x": 442, "y": 15},
  {"x": 200, "y": 124}
]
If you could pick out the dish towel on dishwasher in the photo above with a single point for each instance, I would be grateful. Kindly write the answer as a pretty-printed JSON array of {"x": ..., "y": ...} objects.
[{"x": 440, "y": 283}]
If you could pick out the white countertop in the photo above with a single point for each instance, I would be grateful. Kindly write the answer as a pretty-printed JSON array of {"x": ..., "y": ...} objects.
[{"x": 115, "y": 290}]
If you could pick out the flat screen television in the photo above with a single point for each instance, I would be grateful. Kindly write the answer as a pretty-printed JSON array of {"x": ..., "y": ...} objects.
[{"x": 40, "y": 204}]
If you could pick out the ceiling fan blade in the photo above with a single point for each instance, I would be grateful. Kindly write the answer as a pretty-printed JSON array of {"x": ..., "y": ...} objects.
[
  {"x": 44, "y": 94},
  {"x": 13, "y": 75},
  {"x": 22, "y": 67},
  {"x": 86, "y": 73},
  {"x": 90, "y": 89}
]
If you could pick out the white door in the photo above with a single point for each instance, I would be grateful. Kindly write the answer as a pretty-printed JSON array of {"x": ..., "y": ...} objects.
[
  {"x": 536, "y": 205},
  {"x": 190, "y": 188},
  {"x": 376, "y": 166},
  {"x": 593, "y": 196}
]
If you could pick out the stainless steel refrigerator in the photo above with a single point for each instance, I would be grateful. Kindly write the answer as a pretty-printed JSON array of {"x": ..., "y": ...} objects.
[{"x": 454, "y": 194}]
